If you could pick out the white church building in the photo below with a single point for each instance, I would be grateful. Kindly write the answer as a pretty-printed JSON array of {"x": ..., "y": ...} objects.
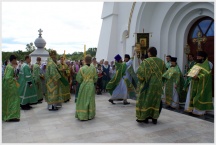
[{"x": 171, "y": 25}]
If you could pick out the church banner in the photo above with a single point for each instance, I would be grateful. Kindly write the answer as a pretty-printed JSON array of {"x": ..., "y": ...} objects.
[{"x": 143, "y": 40}]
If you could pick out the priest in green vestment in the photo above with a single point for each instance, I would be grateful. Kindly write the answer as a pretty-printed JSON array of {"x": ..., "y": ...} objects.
[
  {"x": 37, "y": 78},
  {"x": 10, "y": 96},
  {"x": 173, "y": 85},
  {"x": 86, "y": 77},
  {"x": 149, "y": 73},
  {"x": 27, "y": 89},
  {"x": 199, "y": 96},
  {"x": 65, "y": 72},
  {"x": 52, "y": 79},
  {"x": 119, "y": 86}
]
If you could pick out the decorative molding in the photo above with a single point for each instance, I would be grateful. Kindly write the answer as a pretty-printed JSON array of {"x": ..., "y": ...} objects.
[{"x": 129, "y": 21}]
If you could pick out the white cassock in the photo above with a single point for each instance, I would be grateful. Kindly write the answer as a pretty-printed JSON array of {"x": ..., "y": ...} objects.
[
  {"x": 194, "y": 111},
  {"x": 175, "y": 97},
  {"x": 120, "y": 91}
]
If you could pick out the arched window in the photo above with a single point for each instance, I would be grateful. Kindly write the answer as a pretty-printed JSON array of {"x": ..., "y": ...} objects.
[{"x": 205, "y": 26}]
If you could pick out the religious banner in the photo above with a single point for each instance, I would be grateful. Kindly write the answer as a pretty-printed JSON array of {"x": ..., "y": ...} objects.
[{"x": 143, "y": 40}]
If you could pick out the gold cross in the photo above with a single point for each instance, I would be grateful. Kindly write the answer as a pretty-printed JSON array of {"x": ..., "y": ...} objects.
[{"x": 199, "y": 40}]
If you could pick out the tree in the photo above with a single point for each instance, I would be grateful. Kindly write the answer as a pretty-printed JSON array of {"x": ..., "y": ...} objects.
[{"x": 30, "y": 47}]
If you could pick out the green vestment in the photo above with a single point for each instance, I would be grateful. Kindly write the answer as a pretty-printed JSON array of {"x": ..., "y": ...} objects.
[
  {"x": 38, "y": 83},
  {"x": 65, "y": 90},
  {"x": 201, "y": 89},
  {"x": 10, "y": 95},
  {"x": 131, "y": 86},
  {"x": 120, "y": 72},
  {"x": 149, "y": 75},
  {"x": 174, "y": 76},
  {"x": 133, "y": 75},
  {"x": 85, "y": 105},
  {"x": 190, "y": 64},
  {"x": 27, "y": 89},
  {"x": 168, "y": 64},
  {"x": 53, "y": 76}
]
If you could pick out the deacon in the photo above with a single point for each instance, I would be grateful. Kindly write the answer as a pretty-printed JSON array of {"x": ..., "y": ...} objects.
[
  {"x": 52, "y": 78},
  {"x": 37, "y": 79},
  {"x": 149, "y": 73},
  {"x": 65, "y": 72},
  {"x": 10, "y": 96},
  {"x": 173, "y": 87},
  {"x": 199, "y": 96},
  {"x": 86, "y": 77},
  {"x": 27, "y": 89},
  {"x": 117, "y": 86}
]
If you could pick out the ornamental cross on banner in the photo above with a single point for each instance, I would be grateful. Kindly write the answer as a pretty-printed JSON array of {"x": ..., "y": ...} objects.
[{"x": 199, "y": 40}]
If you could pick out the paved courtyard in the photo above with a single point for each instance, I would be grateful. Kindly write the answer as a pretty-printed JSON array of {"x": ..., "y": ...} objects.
[{"x": 112, "y": 124}]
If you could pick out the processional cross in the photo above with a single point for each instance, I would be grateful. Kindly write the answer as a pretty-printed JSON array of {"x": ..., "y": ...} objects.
[
  {"x": 40, "y": 31},
  {"x": 199, "y": 40}
]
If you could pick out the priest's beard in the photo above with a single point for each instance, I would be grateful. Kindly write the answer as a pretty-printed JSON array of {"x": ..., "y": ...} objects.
[{"x": 200, "y": 60}]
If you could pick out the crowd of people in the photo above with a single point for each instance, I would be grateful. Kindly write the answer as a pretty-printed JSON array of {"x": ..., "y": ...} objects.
[{"x": 154, "y": 83}]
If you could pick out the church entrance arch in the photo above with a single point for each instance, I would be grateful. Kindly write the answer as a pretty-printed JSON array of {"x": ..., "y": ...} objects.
[{"x": 205, "y": 41}]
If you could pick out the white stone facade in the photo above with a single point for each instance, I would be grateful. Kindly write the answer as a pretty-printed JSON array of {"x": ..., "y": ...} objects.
[{"x": 168, "y": 22}]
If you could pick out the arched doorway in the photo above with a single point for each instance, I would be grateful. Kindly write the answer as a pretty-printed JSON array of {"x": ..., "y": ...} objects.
[{"x": 204, "y": 25}]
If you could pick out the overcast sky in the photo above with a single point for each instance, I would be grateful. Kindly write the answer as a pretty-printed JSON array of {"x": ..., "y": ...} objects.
[{"x": 66, "y": 25}]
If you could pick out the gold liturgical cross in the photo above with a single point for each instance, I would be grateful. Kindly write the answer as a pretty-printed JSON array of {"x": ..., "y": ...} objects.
[{"x": 199, "y": 40}]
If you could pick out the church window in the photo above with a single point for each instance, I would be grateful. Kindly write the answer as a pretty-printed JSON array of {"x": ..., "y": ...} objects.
[{"x": 205, "y": 26}]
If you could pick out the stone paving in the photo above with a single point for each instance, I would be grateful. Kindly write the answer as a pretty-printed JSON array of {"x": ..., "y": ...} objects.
[{"x": 112, "y": 124}]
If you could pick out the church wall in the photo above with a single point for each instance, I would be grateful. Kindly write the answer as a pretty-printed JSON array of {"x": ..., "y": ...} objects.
[
  {"x": 123, "y": 47},
  {"x": 185, "y": 15},
  {"x": 107, "y": 41},
  {"x": 107, "y": 38},
  {"x": 109, "y": 8},
  {"x": 167, "y": 22}
]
